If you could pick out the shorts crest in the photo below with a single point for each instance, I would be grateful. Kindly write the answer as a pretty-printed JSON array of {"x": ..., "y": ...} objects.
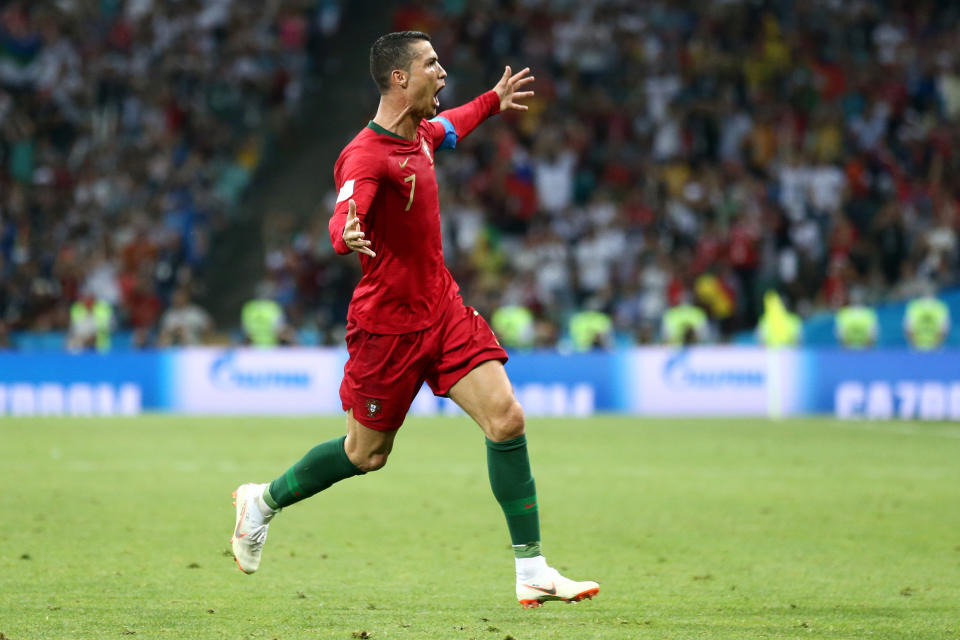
[{"x": 372, "y": 407}]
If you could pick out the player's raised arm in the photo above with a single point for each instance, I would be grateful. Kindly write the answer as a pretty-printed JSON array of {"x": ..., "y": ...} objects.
[{"x": 453, "y": 125}]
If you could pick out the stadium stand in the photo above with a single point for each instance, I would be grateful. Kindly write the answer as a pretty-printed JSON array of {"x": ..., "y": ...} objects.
[
  {"x": 710, "y": 150},
  {"x": 704, "y": 150},
  {"x": 129, "y": 132}
]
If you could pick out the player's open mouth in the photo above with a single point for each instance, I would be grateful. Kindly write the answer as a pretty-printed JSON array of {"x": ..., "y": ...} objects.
[{"x": 436, "y": 97}]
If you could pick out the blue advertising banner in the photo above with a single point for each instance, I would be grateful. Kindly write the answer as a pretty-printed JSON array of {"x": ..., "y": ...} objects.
[
  {"x": 82, "y": 384},
  {"x": 550, "y": 384},
  {"x": 882, "y": 384},
  {"x": 705, "y": 381}
]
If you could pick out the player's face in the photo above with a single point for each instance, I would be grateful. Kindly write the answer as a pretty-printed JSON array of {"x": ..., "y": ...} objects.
[{"x": 426, "y": 80}]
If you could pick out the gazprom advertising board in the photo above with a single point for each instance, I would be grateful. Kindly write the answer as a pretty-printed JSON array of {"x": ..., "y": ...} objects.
[
  {"x": 710, "y": 381},
  {"x": 650, "y": 381},
  {"x": 882, "y": 384},
  {"x": 257, "y": 381}
]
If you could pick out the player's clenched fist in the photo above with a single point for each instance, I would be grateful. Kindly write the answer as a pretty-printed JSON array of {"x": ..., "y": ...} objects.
[{"x": 353, "y": 236}]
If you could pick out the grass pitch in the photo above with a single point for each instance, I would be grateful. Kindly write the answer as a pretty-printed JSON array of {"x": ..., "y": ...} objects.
[{"x": 695, "y": 529}]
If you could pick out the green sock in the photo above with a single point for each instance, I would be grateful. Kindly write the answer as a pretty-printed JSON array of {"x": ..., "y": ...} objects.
[
  {"x": 323, "y": 465},
  {"x": 509, "y": 467}
]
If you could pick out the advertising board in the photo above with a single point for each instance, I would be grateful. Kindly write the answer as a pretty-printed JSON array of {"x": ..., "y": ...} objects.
[
  {"x": 709, "y": 381},
  {"x": 81, "y": 384},
  {"x": 257, "y": 381},
  {"x": 883, "y": 384},
  {"x": 648, "y": 381}
]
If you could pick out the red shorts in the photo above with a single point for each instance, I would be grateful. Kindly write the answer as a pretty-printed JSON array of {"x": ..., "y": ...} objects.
[{"x": 384, "y": 373}]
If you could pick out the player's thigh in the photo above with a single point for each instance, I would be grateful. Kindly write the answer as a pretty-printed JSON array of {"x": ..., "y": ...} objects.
[
  {"x": 486, "y": 394},
  {"x": 381, "y": 377},
  {"x": 463, "y": 341},
  {"x": 470, "y": 371}
]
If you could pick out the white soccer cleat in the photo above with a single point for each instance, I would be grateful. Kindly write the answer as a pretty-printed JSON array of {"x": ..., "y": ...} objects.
[
  {"x": 550, "y": 585},
  {"x": 251, "y": 530}
]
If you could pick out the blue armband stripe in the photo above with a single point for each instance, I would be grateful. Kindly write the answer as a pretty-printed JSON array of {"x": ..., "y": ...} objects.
[{"x": 450, "y": 137}]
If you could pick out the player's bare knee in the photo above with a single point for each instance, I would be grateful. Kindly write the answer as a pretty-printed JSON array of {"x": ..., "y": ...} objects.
[
  {"x": 508, "y": 424},
  {"x": 370, "y": 462},
  {"x": 363, "y": 458}
]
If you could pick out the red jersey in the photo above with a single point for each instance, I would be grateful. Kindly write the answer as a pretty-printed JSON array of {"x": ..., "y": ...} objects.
[{"x": 394, "y": 184}]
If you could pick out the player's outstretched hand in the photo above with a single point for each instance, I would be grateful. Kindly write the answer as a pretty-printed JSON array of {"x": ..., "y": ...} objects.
[
  {"x": 509, "y": 89},
  {"x": 353, "y": 236}
]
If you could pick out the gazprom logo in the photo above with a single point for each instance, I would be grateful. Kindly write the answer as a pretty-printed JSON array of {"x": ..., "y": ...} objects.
[
  {"x": 680, "y": 371},
  {"x": 227, "y": 372}
]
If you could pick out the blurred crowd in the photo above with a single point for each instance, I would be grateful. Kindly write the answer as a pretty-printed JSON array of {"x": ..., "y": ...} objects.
[
  {"x": 693, "y": 152},
  {"x": 128, "y": 130},
  {"x": 676, "y": 153}
]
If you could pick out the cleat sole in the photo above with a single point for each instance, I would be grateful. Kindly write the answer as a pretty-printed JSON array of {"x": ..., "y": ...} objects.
[{"x": 584, "y": 595}]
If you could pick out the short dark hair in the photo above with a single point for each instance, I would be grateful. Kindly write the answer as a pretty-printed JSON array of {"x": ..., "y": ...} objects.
[{"x": 392, "y": 51}]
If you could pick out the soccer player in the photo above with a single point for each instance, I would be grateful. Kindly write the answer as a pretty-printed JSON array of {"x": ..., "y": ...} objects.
[{"x": 407, "y": 323}]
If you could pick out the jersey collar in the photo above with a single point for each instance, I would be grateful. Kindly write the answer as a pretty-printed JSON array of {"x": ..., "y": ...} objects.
[{"x": 384, "y": 132}]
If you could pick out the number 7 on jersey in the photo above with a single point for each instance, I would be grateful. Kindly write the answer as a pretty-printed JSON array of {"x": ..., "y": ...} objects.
[{"x": 412, "y": 179}]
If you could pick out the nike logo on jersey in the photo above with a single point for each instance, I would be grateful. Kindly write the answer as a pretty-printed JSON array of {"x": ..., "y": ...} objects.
[
  {"x": 552, "y": 591},
  {"x": 404, "y": 163}
]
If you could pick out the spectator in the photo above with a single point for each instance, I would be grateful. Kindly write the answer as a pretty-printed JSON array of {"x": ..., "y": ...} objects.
[
  {"x": 856, "y": 327},
  {"x": 591, "y": 329},
  {"x": 514, "y": 326},
  {"x": 778, "y": 327},
  {"x": 685, "y": 324},
  {"x": 91, "y": 323},
  {"x": 264, "y": 324},
  {"x": 184, "y": 323},
  {"x": 5, "y": 344},
  {"x": 143, "y": 307},
  {"x": 926, "y": 323}
]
